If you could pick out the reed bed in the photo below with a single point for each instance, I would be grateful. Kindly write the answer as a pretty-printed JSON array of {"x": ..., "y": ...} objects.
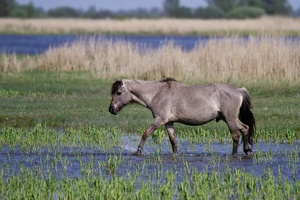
[
  {"x": 270, "y": 25},
  {"x": 231, "y": 59}
]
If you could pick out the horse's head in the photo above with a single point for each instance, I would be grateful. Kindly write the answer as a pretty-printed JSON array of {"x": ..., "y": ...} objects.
[{"x": 120, "y": 96}]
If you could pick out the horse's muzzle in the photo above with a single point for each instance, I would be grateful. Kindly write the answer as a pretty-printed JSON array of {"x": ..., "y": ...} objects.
[{"x": 112, "y": 110}]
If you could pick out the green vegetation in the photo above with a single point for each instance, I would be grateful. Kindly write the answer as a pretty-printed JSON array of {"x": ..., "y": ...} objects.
[
  {"x": 119, "y": 176},
  {"x": 80, "y": 99},
  {"x": 244, "y": 12},
  {"x": 236, "y": 184},
  {"x": 52, "y": 99}
]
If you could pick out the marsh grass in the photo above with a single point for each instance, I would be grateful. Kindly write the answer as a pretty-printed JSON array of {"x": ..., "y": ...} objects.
[
  {"x": 112, "y": 164},
  {"x": 31, "y": 140},
  {"x": 270, "y": 25},
  {"x": 201, "y": 185},
  {"x": 264, "y": 60},
  {"x": 146, "y": 177}
]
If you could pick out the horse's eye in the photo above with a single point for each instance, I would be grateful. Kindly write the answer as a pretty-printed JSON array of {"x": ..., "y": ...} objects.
[{"x": 119, "y": 93}]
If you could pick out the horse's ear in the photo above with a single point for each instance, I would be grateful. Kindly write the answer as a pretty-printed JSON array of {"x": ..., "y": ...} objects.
[
  {"x": 116, "y": 86},
  {"x": 123, "y": 84}
]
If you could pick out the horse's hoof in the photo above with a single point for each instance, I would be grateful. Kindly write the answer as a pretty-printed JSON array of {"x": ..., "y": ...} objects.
[
  {"x": 234, "y": 155},
  {"x": 138, "y": 152},
  {"x": 249, "y": 152}
]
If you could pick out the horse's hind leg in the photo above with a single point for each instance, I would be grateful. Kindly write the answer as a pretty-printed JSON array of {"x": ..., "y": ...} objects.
[
  {"x": 232, "y": 125},
  {"x": 172, "y": 138},
  {"x": 243, "y": 128},
  {"x": 235, "y": 127}
]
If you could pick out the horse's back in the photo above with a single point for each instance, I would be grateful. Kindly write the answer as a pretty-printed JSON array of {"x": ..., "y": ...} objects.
[
  {"x": 195, "y": 105},
  {"x": 215, "y": 96},
  {"x": 228, "y": 92}
]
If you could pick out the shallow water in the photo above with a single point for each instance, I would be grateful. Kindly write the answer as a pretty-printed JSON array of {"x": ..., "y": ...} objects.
[{"x": 157, "y": 157}]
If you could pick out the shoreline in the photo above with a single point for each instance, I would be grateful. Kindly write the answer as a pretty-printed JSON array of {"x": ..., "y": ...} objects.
[{"x": 273, "y": 26}]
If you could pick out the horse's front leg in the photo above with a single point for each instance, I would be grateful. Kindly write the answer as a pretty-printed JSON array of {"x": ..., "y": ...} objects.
[
  {"x": 172, "y": 138},
  {"x": 149, "y": 131}
]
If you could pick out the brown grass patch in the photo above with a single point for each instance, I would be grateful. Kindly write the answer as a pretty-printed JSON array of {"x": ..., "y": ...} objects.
[
  {"x": 268, "y": 59},
  {"x": 266, "y": 25}
]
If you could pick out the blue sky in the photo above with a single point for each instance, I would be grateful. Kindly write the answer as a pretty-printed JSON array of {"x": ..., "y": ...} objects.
[{"x": 119, "y": 4}]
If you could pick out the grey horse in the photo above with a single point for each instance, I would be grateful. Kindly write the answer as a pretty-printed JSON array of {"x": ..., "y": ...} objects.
[{"x": 171, "y": 101}]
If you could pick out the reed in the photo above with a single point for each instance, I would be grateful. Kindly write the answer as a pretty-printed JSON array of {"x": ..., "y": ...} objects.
[
  {"x": 271, "y": 25},
  {"x": 231, "y": 59}
]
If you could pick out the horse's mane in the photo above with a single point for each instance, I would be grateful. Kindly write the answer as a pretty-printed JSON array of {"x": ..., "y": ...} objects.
[
  {"x": 118, "y": 83},
  {"x": 167, "y": 79},
  {"x": 115, "y": 86}
]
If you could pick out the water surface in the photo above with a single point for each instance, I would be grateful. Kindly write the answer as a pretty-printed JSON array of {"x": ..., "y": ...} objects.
[
  {"x": 36, "y": 44},
  {"x": 72, "y": 162}
]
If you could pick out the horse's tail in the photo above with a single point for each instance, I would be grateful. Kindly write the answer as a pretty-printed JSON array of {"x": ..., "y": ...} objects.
[{"x": 246, "y": 115}]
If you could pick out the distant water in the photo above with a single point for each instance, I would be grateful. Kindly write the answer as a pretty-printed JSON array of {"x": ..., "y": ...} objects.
[{"x": 36, "y": 44}]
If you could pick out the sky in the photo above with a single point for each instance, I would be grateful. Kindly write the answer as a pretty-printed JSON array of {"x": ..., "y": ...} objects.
[{"x": 116, "y": 5}]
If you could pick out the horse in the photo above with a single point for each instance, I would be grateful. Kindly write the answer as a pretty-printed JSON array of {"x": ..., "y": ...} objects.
[{"x": 171, "y": 101}]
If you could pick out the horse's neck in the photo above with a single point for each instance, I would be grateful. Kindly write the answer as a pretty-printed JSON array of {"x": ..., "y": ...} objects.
[{"x": 143, "y": 92}]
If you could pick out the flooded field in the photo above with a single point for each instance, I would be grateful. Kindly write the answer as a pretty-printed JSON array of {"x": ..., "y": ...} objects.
[
  {"x": 57, "y": 164},
  {"x": 73, "y": 162}
]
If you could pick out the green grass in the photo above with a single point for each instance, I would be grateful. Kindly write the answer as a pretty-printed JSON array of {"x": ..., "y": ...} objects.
[
  {"x": 79, "y": 99},
  {"x": 57, "y": 100},
  {"x": 202, "y": 186}
]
